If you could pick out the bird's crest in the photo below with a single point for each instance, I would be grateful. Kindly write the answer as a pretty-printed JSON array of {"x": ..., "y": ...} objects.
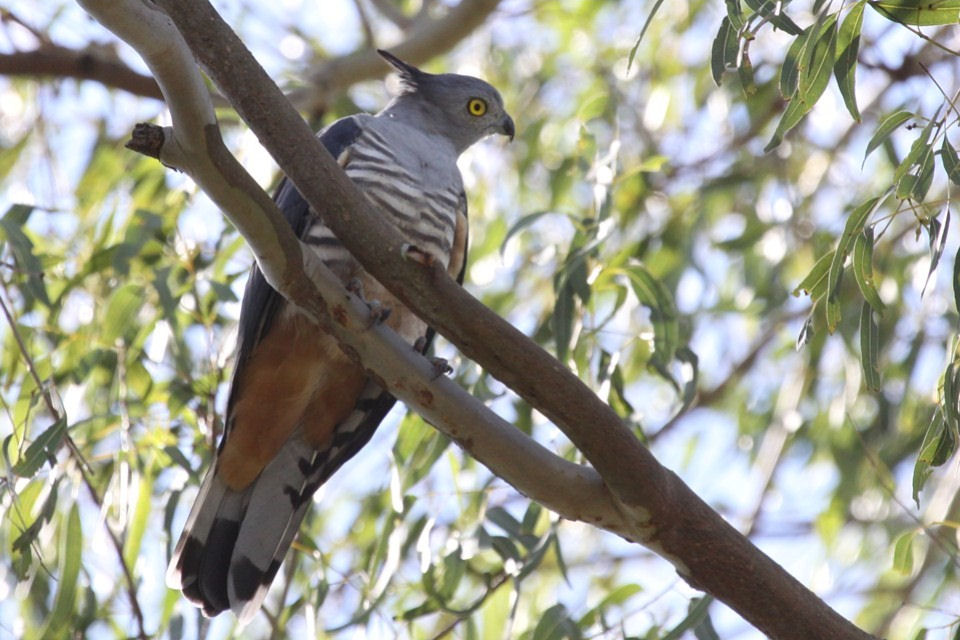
[{"x": 410, "y": 76}]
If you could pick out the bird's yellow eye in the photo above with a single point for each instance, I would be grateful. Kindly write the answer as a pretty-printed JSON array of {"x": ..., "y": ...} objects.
[{"x": 477, "y": 106}]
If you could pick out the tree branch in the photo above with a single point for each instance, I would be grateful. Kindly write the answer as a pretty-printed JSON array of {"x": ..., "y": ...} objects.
[
  {"x": 655, "y": 506},
  {"x": 426, "y": 37},
  {"x": 83, "y": 64},
  {"x": 388, "y": 10}
]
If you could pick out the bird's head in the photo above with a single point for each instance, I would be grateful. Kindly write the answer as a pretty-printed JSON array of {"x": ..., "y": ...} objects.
[{"x": 463, "y": 108}]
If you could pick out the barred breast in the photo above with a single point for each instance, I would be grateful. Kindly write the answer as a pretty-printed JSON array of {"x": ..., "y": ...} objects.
[{"x": 424, "y": 215}]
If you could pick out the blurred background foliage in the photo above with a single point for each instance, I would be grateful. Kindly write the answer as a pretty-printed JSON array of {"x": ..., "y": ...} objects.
[{"x": 759, "y": 275}]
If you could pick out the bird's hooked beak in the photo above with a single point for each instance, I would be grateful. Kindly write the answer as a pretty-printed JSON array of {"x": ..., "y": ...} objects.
[{"x": 506, "y": 126}]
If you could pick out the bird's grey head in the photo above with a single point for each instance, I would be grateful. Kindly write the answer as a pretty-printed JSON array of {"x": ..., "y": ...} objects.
[{"x": 461, "y": 108}]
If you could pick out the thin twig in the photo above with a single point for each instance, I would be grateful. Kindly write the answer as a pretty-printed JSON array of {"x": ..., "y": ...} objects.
[
  {"x": 9, "y": 16},
  {"x": 499, "y": 580},
  {"x": 708, "y": 397},
  {"x": 931, "y": 39},
  {"x": 882, "y": 475}
]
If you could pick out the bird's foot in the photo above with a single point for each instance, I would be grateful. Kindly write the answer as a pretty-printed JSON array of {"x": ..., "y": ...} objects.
[
  {"x": 418, "y": 255},
  {"x": 355, "y": 286},
  {"x": 441, "y": 366},
  {"x": 378, "y": 312},
  {"x": 420, "y": 344}
]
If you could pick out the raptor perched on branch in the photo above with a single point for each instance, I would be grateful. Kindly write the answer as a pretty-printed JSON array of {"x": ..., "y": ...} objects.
[{"x": 299, "y": 407}]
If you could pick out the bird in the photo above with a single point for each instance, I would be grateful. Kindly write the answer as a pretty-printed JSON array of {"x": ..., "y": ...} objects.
[{"x": 298, "y": 406}]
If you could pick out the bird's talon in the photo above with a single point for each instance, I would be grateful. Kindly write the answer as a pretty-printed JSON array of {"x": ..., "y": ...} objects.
[
  {"x": 355, "y": 286},
  {"x": 420, "y": 344},
  {"x": 440, "y": 367},
  {"x": 378, "y": 313}
]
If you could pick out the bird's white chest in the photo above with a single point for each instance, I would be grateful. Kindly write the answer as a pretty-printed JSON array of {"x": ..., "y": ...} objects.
[{"x": 419, "y": 194}]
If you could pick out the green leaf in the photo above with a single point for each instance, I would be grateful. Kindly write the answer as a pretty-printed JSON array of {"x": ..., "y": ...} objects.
[
  {"x": 42, "y": 449},
  {"x": 869, "y": 348},
  {"x": 724, "y": 52},
  {"x": 817, "y": 60},
  {"x": 10, "y": 155},
  {"x": 124, "y": 305},
  {"x": 943, "y": 446},
  {"x": 502, "y": 518},
  {"x": 922, "y": 469},
  {"x": 771, "y": 10},
  {"x": 521, "y": 224},
  {"x": 951, "y": 410},
  {"x": 643, "y": 30},
  {"x": 22, "y": 546},
  {"x": 854, "y": 227},
  {"x": 939, "y": 443},
  {"x": 919, "y": 14},
  {"x": 138, "y": 524},
  {"x": 938, "y": 241},
  {"x": 696, "y": 613},
  {"x": 71, "y": 546},
  {"x": 950, "y": 162},
  {"x": 815, "y": 283},
  {"x": 21, "y": 247},
  {"x": 734, "y": 14},
  {"x": 956, "y": 281},
  {"x": 536, "y": 555},
  {"x": 504, "y": 547},
  {"x": 420, "y": 610},
  {"x": 834, "y": 312},
  {"x": 925, "y": 177},
  {"x": 806, "y": 332},
  {"x": 562, "y": 320},
  {"x": 885, "y": 129},
  {"x": 555, "y": 624},
  {"x": 614, "y": 598},
  {"x": 754, "y": 230},
  {"x": 688, "y": 357},
  {"x": 530, "y": 517},
  {"x": 745, "y": 72},
  {"x": 496, "y": 614},
  {"x": 903, "y": 553},
  {"x": 454, "y": 568},
  {"x": 791, "y": 117},
  {"x": 812, "y": 78},
  {"x": 663, "y": 314},
  {"x": 705, "y": 629},
  {"x": 863, "y": 269},
  {"x": 848, "y": 48},
  {"x": 101, "y": 176},
  {"x": 633, "y": 52},
  {"x": 918, "y": 150},
  {"x": 790, "y": 69}
]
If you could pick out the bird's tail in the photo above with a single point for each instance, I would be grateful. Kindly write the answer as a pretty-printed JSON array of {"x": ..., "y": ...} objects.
[{"x": 233, "y": 542}]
